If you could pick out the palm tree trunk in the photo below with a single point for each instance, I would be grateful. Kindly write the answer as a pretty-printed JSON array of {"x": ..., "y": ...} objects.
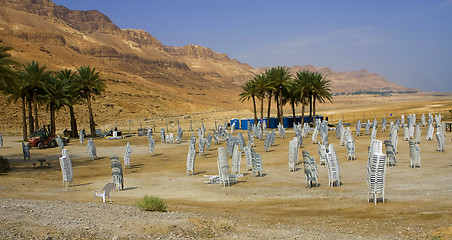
[
  {"x": 302, "y": 112},
  {"x": 255, "y": 110},
  {"x": 277, "y": 109},
  {"x": 74, "y": 131},
  {"x": 92, "y": 125},
  {"x": 262, "y": 111},
  {"x": 52, "y": 120},
  {"x": 35, "y": 103},
  {"x": 269, "y": 106},
  {"x": 313, "y": 108},
  {"x": 281, "y": 105},
  {"x": 31, "y": 126},
  {"x": 310, "y": 108},
  {"x": 293, "y": 112},
  {"x": 24, "y": 121}
]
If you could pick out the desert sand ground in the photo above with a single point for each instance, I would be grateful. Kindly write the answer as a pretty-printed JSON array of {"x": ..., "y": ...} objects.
[{"x": 34, "y": 203}]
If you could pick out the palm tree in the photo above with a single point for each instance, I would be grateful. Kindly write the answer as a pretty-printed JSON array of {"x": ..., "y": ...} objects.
[
  {"x": 292, "y": 95},
  {"x": 269, "y": 92},
  {"x": 303, "y": 84},
  {"x": 16, "y": 91},
  {"x": 7, "y": 74},
  {"x": 279, "y": 78},
  {"x": 90, "y": 85},
  {"x": 34, "y": 77},
  {"x": 260, "y": 87},
  {"x": 56, "y": 97},
  {"x": 73, "y": 97},
  {"x": 320, "y": 90},
  {"x": 249, "y": 92}
]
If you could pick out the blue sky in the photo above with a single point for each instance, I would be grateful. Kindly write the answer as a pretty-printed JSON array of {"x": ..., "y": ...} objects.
[{"x": 408, "y": 42}]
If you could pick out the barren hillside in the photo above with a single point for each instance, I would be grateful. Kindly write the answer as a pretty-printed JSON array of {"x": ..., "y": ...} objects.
[{"x": 144, "y": 77}]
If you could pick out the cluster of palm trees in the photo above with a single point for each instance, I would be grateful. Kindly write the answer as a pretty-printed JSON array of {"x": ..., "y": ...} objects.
[
  {"x": 33, "y": 85},
  {"x": 277, "y": 83}
]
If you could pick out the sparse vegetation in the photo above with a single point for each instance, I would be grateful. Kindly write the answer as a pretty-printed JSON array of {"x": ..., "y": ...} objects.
[
  {"x": 4, "y": 165},
  {"x": 150, "y": 203}
]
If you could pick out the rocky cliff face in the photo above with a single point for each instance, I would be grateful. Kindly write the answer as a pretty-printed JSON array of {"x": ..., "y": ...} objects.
[{"x": 144, "y": 77}]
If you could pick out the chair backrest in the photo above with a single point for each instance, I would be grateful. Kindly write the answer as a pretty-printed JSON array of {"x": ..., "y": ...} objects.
[{"x": 107, "y": 188}]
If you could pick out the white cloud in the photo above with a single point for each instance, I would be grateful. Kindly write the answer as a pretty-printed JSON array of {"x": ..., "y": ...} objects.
[
  {"x": 364, "y": 36},
  {"x": 445, "y": 3}
]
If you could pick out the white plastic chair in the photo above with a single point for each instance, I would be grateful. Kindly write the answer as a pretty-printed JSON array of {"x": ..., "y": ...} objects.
[{"x": 104, "y": 192}]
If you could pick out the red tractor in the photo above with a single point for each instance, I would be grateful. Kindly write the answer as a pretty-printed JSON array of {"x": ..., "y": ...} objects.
[{"x": 41, "y": 138}]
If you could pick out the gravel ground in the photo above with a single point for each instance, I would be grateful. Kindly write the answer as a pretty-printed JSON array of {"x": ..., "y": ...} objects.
[{"x": 39, "y": 219}]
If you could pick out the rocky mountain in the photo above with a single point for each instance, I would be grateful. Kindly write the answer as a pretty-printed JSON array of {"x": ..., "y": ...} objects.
[
  {"x": 352, "y": 81},
  {"x": 144, "y": 77}
]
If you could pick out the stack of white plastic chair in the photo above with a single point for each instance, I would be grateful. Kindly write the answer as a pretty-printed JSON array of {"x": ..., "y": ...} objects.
[
  {"x": 322, "y": 154},
  {"x": 81, "y": 136},
  {"x": 358, "y": 128},
  {"x": 397, "y": 124},
  {"x": 273, "y": 137},
  {"x": 179, "y": 136},
  {"x": 314, "y": 135},
  {"x": 223, "y": 167},
  {"x": 293, "y": 154},
  {"x": 282, "y": 131},
  {"x": 171, "y": 138},
  {"x": 251, "y": 138},
  {"x": 338, "y": 129},
  {"x": 406, "y": 134},
  {"x": 415, "y": 154},
  {"x": 374, "y": 132},
  {"x": 368, "y": 127},
  {"x": 438, "y": 120},
  {"x": 209, "y": 141},
  {"x": 310, "y": 170},
  {"x": 60, "y": 142},
  {"x": 332, "y": 164},
  {"x": 430, "y": 129},
  {"x": 127, "y": 155},
  {"x": 402, "y": 120},
  {"x": 236, "y": 160},
  {"x": 267, "y": 142},
  {"x": 306, "y": 129},
  {"x": 232, "y": 141},
  {"x": 241, "y": 140},
  {"x": 248, "y": 156},
  {"x": 92, "y": 153},
  {"x": 256, "y": 162},
  {"x": 66, "y": 168},
  {"x": 151, "y": 144},
  {"x": 394, "y": 137},
  {"x": 201, "y": 146},
  {"x": 440, "y": 140},
  {"x": 411, "y": 124},
  {"x": 116, "y": 172},
  {"x": 167, "y": 139},
  {"x": 383, "y": 124},
  {"x": 376, "y": 171},
  {"x": 342, "y": 136},
  {"x": 162, "y": 135},
  {"x": 350, "y": 148},
  {"x": 423, "y": 123},
  {"x": 233, "y": 128},
  {"x": 191, "y": 156},
  {"x": 390, "y": 153},
  {"x": 417, "y": 133}
]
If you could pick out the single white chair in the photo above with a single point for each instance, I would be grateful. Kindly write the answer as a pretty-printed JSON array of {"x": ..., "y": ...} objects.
[{"x": 104, "y": 192}]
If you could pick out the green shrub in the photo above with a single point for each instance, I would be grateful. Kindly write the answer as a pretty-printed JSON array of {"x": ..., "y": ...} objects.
[
  {"x": 150, "y": 203},
  {"x": 4, "y": 164}
]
